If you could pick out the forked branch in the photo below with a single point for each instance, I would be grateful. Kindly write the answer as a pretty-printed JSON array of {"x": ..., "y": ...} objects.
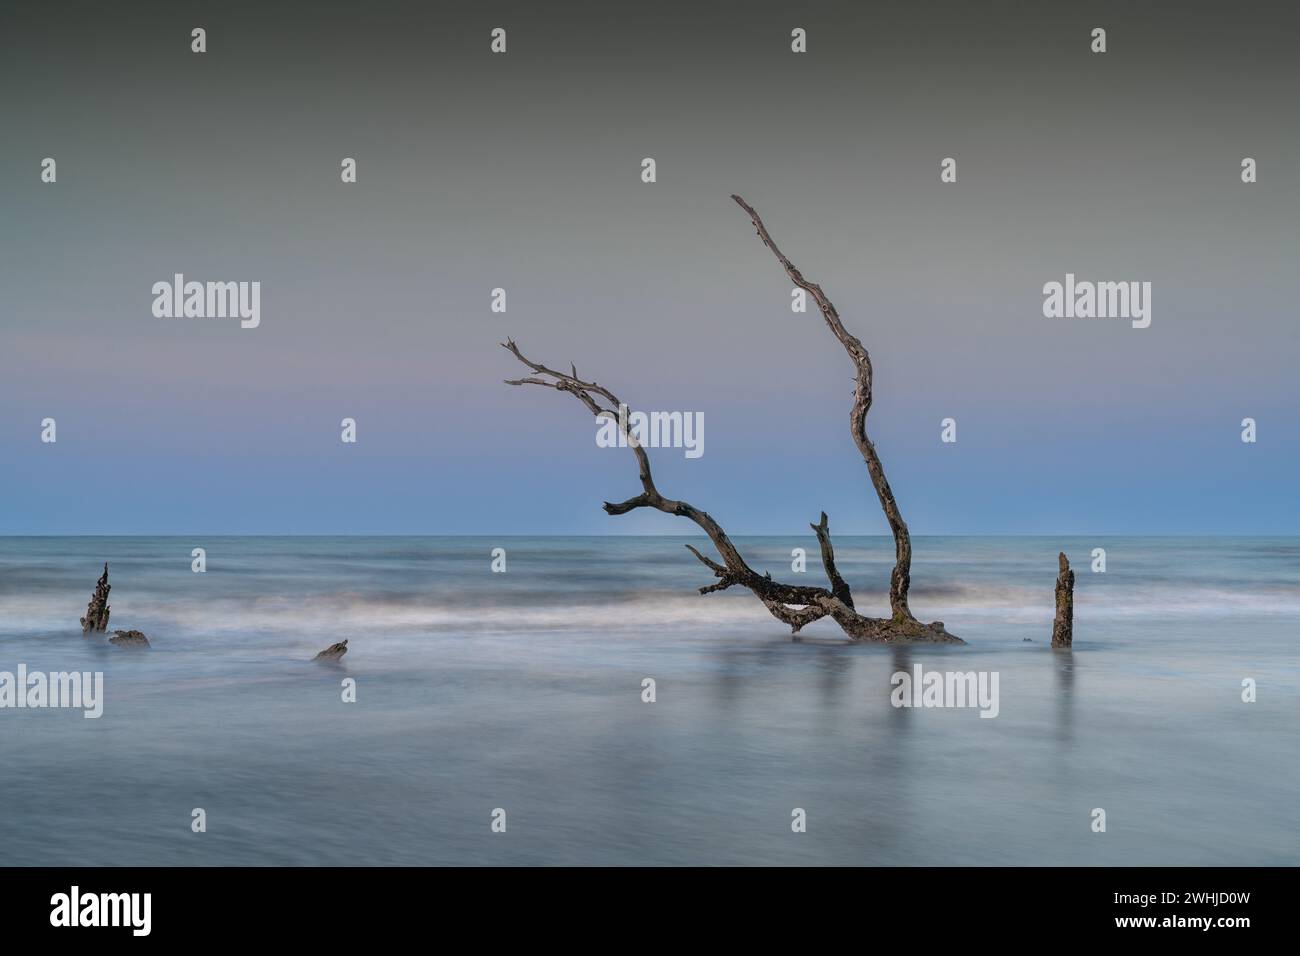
[
  {"x": 811, "y": 603},
  {"x": 795, "y": 605}
]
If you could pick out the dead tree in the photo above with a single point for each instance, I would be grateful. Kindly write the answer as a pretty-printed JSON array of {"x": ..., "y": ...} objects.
[
  {"x": 96, "y": 618},
  {"x": 792, "y": 604},
  {"x": 1063, "y": 625}
]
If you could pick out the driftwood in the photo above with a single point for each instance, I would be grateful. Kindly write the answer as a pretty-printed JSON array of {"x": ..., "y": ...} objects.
[
  {"x": 96, "y": 618},
  {"x": 333, "y": 652},
  {"x": 795, "y": 605},
  {"x": 1063, "y": 625},
  {"x": 129, "y": 639}
]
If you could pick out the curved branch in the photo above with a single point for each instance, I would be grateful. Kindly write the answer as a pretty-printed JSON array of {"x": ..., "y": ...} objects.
[
  {"x": 901, "y": 578},
  {"x": 794, "y": 605},
  {"x": 734, "y": 570}
]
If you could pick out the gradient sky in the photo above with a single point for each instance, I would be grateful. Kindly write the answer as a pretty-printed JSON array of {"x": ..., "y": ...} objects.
[{"x": 523, "y": 171}]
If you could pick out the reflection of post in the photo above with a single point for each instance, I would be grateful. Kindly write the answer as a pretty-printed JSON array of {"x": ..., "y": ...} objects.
[
  {"x": 1065, "y": 699},
  {"x": 1063, "y": 626}
]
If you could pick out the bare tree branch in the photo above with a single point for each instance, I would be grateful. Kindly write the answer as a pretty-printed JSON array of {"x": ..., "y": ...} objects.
[
  {"x": 795, "y": 605},
  {"x": 601, "y": 402},
  {"x": 839, "y": 587},
  {"x": 901, "y": 578}
]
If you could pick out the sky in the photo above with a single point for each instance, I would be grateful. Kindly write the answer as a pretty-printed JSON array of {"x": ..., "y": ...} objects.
[{"x": 523, "y": 171}]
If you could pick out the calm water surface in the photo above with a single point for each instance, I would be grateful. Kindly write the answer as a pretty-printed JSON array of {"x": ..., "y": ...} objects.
[{"x": 523, "y": 691}]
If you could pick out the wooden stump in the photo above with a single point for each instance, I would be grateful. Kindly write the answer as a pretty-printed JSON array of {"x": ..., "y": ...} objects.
[
  {"x": 1063, "y": 626},
  {"x": 96, "y": 618}
]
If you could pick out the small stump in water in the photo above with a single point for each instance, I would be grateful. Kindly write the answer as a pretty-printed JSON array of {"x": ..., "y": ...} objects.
[
  {"x": 96, "y": 618},
  {"x": 1063, "y": 626}
]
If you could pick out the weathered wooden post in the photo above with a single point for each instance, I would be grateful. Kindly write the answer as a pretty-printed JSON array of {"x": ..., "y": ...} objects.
[
  {"x": 96, "y": 618},
  {"x": 1063, "y": 626}
]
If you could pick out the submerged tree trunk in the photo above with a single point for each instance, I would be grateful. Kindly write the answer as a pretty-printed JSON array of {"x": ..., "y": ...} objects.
[
  {"x": 1063, "y": 626},
  {"x": 130, "y": 638},
  {"x": 96, "y": 618},
  {"x": 795, "y": 605},
  {"x": 333, "y": 653}
]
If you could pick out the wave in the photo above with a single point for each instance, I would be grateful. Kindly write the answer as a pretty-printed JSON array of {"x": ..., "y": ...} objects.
[{"x": 357, "y": 612}]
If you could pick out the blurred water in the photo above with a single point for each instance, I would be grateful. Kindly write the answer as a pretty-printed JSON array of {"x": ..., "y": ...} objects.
[{"x": 522, "y": 690}]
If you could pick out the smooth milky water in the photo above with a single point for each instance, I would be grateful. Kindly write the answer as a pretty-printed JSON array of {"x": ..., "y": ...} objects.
[{"x": 522, "y": 691}]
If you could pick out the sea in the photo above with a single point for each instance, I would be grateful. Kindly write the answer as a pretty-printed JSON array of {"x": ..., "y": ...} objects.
[{"x": 576, "y": 701}]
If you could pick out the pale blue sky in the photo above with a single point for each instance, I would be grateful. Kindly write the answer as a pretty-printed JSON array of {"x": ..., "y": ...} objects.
[{"x": 522, "y": 171}]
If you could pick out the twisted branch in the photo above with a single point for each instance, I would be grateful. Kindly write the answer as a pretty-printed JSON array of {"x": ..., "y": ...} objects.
[
  {"x": 812, "y": 603},
  {"x": 795, "y": 605},
  {"x": 901, "y": 578}
]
